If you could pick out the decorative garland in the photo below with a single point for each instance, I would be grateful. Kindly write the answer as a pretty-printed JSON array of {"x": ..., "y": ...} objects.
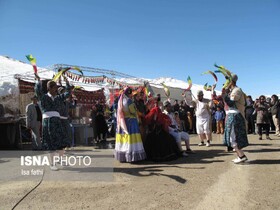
[{"x": 99, "y": 80}]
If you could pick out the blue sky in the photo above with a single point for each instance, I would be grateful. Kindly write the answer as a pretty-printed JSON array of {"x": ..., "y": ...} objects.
[{"x": 150, "y": 38}]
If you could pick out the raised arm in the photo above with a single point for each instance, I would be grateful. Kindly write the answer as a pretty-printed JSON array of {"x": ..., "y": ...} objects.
[{"x": 38, "y": 89}]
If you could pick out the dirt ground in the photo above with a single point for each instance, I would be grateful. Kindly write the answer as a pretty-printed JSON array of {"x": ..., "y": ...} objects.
[{"x": 205, "y": 180}]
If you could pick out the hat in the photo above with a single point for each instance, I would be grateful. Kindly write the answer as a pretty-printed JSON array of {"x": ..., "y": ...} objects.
[
  {"x": 200, "y": 93},
  {"x": 234, "y": 77},
  {"x": 166, "y": 103}
]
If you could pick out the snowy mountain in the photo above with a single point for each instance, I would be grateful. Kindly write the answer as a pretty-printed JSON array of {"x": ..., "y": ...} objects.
[
  {"x": 10, "y": 67},
  {"x": 170, "y": 82}
]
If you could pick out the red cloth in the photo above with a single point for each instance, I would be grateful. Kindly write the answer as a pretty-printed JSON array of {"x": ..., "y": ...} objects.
[{"x": 156, "y": 116}]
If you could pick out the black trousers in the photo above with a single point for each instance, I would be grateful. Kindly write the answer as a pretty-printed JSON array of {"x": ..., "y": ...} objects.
[{"x": 262, "y": 126}]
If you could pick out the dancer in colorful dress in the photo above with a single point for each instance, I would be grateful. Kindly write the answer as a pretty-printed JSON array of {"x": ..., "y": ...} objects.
[
  {"x": 235, "y": 135},
  {"x": 54, "y": 137},
  {"x": 129, "y": 146}
]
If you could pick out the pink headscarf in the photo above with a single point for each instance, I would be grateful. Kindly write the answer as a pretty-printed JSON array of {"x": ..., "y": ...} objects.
[{"x": 120, "y": 116}]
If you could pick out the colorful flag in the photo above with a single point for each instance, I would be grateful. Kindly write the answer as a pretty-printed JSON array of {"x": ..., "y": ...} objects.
[
  {"x": 166, "y": 90},
  {"x": 207, "y": 87},
  {"x": 32, "y": 61},
  {"x": 148, "y": 90},
  {"x": 189, "y": 82},
  {"x": 223, "y": 70},
  {"x": 226, "y": 73},
  {"x": 63, "y": 70},
  {"x": 213, "y": 74}
]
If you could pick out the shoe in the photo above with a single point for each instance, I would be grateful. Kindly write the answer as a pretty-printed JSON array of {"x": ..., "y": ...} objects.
[
  {"x": 208, "y": 144},
  {"x": 233, "y": 150},
  {"x": 229, "y": 149},
  {"x": 218, "y": 133},
  {"x": 240, "y": 160},
  {"x": 184, "y": 154},
  {"x": 53, "y": 168},
  {"x": 189, "y": 151},
  {"x": 260, "y": 138},
  {"x": 268, "y": 138},
  {"x": 201, "y": 144}
]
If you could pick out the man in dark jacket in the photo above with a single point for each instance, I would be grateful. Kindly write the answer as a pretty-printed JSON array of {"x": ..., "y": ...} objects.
[
  {"x": 34, "y": 122},
  {"x": 249, "y": 110}
]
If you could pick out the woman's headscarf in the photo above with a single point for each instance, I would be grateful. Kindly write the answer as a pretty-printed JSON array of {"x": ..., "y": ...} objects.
[{"x": 120, "y": 115}]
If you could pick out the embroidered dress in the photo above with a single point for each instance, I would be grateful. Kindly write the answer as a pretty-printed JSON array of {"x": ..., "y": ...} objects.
[
  {"x": 235, "y": 128},
  {"x": 64, "y": 108},
  {"x": 129, "y": 146},
  {"x": 54, "y": 136}
]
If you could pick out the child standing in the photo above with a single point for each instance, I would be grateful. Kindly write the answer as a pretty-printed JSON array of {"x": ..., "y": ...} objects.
[{"x": 220, "y": 116}]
